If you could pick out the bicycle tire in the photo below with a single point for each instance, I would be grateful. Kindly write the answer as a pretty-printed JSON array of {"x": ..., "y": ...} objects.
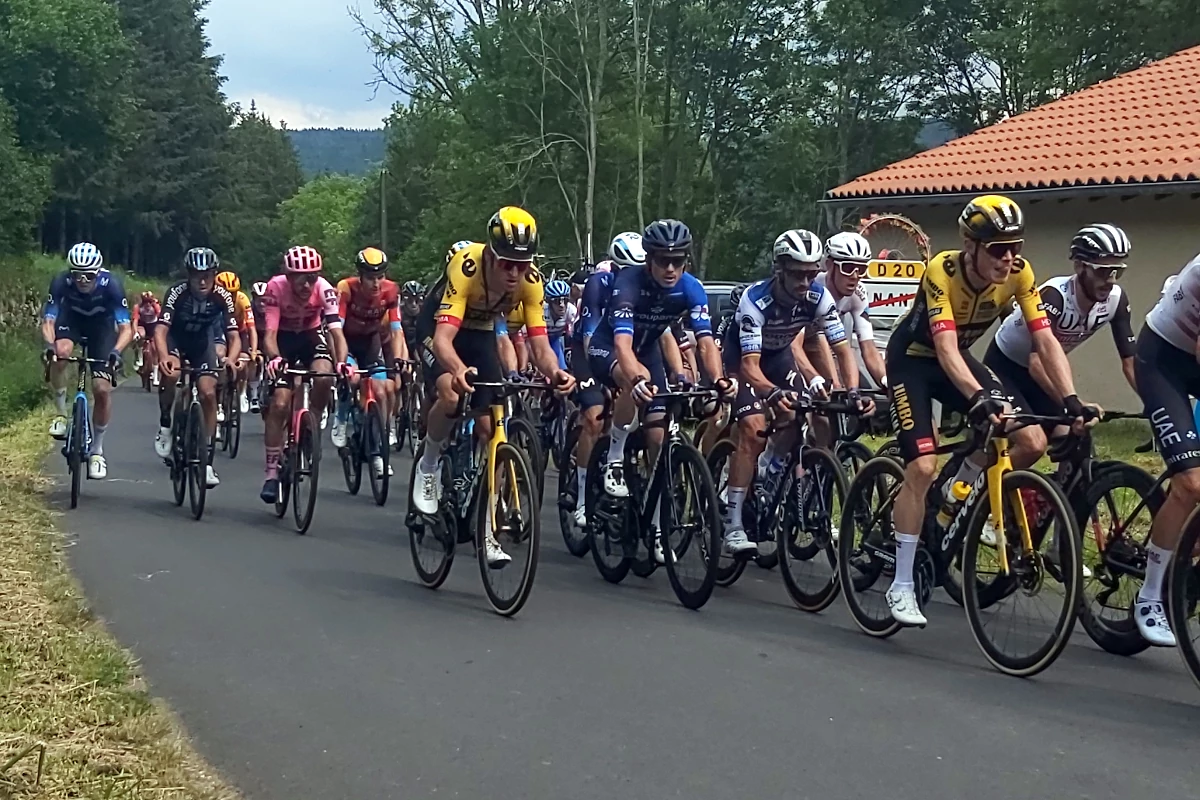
[
  {"x": 283, "y": 499},
  {"x": 608, "y": 554},
  {"x": 692, "y": 594},
  {"x": 234, "y": 417},
  {"x": 223, "y": 395},
  {"x": 860, "y": 572},
  {"x": 351, "y": 455},
  {"x": 76, "y": 447},
  {"x": 1119, "y": 635},
  {"x": 890, "y": 449},
  {"x": 574, "y": 538},
  {"x": 178, "y": 463},
  {"x": 424, "y": 535},
  {"x": 1183, "y": 594},
  {"x": 729, "y": 569},
  {"x": 524, "y": 436},
  {"x": 196, "y": 452},
  {"x": 852, "y": 456},
  {"x": 817, "y": 597},
  {"x": 1069, "y": 567},
  {"x": 643, "y": 564},
  {"x": 377, "y": 444},
  {"x": 512, "y": 462},
  {"x": 307, "y": 471}
]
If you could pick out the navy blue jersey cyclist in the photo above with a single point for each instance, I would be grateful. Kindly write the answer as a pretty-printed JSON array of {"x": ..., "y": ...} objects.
[{"x": 86, "y": 303}]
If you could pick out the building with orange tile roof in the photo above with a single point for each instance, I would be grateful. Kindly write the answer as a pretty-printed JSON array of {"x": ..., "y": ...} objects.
[{"x": 1125, "y": 151}]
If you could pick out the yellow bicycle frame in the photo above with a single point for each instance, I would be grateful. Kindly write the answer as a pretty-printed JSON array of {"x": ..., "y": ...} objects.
[
  {"x": 1001, "y": 465},
  {"x": 498, "y": 438}
]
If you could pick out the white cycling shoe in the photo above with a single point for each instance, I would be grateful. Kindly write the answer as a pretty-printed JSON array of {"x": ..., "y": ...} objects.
[
  {"x": 1152, "y": 623},
  {"x": 337, "y": 434},
  {"x": 427, "y": 490},
  {"x": 211, "y": 479},
  {"x": 580, "y": 516},
  {"x": 97, "y": 468},
  {"x": 58, "y": 428},
  {"x": 496, "y": 557},
  {"x": 244, "y": 403},
  {"x": 614, "y": 480},
  {"x": 162, "y": 443},
  {"x": 902, "y": 602},
  {"x": 737, "y": 543}
]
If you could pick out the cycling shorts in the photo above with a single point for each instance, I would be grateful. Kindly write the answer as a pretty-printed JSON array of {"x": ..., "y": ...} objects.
[
  {"x": 1167, "y": 378},
  {"x": 603, "y": 360},
  {"x": 1026, "y": 393},
  {"x": 779, "y": 367},
  {"x": 301, "y": 348},
  {"x": 101, "y": 335},
  {"x": 196, "y": 350},
  {"x": 366, "y": 353},
  {"x": 591, "y": 393},
  {"x": 476, "y": 348},
  {"x": 915, "y": 382}
]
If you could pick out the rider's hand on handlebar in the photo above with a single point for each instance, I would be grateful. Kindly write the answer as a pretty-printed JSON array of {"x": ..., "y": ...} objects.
[
  {"x": 818, "y": 388},
  {"x": 865, "y": 405},
  {"x": 275, "y": 366},
  {"x": 726, "y": 388},
  {"x": 644, "y": 391},
  {"x": 787, "y": 401},
  {"x": 1086, "y": 414},
  {"x": 461, "y": 380},
  {"x": 169, "y": 366},
  {"x": 986, "y": 407},
  {"x": 564, "y": 382}
]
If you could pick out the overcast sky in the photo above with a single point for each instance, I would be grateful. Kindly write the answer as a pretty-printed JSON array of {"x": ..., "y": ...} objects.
[{"x": 302, "y": 61}]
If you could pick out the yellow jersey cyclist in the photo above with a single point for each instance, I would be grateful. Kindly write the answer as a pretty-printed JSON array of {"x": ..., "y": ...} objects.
[
  {"x": 456, "y": 332},
  {"x": 960, "y": 296},
  {"x": 243, "y": 315}
]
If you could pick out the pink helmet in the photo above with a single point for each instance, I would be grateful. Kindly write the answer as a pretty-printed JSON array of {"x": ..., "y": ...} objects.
[
  {"x": 604, "y": 266},
  {"x": 302, "y": 259}
]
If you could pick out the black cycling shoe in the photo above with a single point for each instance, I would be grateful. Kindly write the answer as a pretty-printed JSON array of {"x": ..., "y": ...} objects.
[{"x": 270, "y": 491}]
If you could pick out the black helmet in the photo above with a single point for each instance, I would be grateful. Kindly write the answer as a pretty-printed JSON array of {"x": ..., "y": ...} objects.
[
  {"x": 667, "y": 237},
  {"x": 412, "y": 289},
  {"x": 1099, "y": 241},
  {"x": 735, "y": 296}
]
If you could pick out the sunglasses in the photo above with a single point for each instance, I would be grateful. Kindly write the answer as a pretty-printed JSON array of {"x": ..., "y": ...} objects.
[
  {"x": 83, "y": 277},
  {"x": 999, "y": 250},
  {"x": 1107, "y": 271},
  {"x": 849, "y": 268},
  {"x": 306, "y": 277},
  {"x": 512, "y": 266},
  {"x": 674, "y": 262}
]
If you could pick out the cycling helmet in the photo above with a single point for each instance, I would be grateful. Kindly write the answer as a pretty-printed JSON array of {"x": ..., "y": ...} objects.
[
  {"x": 580, "y": 277},
  {"x": 1099, "y": 241},
  {"x": 608, "y": 266},
  {"x": 798, "y": 245},
  {"x": 201, "y": 259},
  {"x": 848, "y": 246},
  {"x": 556, "y": 290},
  {"x": 413, "y": 289},
  {"x": 371, "y": 260},
  {"x": 259, "y": 288},
  {"x": 735, "y": 296},
  {"x": 147, "y": 297},
  {"x": 992, "y": 218},
  {"x": 626, "y": 250},
  {"x": 667, "y": 237},
  {"x": 512, "y": 234},
  {"x": 85, "y": 257},
  {"x": 456, "y": 247},
  {"x": 302, "y": 259},
  {"x": 229, "y": 281}
]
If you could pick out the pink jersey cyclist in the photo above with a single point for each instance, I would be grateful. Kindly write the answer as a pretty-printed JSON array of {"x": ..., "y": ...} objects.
[{"x": 290, "y": 314}]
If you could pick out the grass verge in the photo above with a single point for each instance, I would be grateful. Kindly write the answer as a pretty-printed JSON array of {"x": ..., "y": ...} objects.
[{"x": 65, "y": 684}]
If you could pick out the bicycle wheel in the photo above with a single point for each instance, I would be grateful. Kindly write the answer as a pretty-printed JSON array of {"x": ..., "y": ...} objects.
[
  {"x": 574, "y": 537},
  {"x": 729, "y": 569},
  {"x": 1046, "y": 580},
  {"x": 806, "y": 521},
  {"x": 178, "y": 462},
  {"x": 516, "y": 526},
  {"x": 852, "y": 455},
  {"x": 377, "y": 447},
  {"x": 1114, "y": 552},
  {"x": 416, "y": 431},
  {"x": 431, "y": 540},
  {"x": 691, "y": 526},
  {"x": 866, "y": 550},
  {"x": 1183, "y": 593},
  {"x": 306, "y": 470},
  {"x": 607, "y": 518},
  {"x": 224, "y": 398},
  {"x": 282, "y": 500},
  {"x": 234, "y": 419},
  {"x": 524, "y": 436},
  {"x": 890, "y": 449},
  {"x": 77, "y": 448},
  {"x": 351, "y": 455},
  {"x": 196, "y": 452}
]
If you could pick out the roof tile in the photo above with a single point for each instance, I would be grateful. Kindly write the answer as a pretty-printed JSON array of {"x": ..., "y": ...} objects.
[{"x": 1140, "y": 127}]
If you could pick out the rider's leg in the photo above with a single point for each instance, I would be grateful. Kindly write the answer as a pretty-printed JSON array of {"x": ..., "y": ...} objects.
[
  {"x": 101, "y": 411},
  {"x": 742, "y": 463},
  {"x": 63, "y": 347},
  {"x": 278, "y": 412},
  {"x": 590, "y": 427}
]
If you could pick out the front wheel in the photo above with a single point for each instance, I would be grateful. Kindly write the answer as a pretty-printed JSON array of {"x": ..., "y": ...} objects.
[
  {"x": 691, "y": 525},
  {"x": 574, "y": 537},
  {"x": 729, "y": 569},
  {"x": 196, "y": 452},
  {"x": 1183, "y": 590},
  {"x": 77, "y": 446},
  {"x": 807, "y": 530},
  {"x": 377, "y": 455},
  {"x": 509, "y": 515},
  {"x": 305, "y": 470},
  {"x": 432, "y": 540},
  {"x": 866, "y": 548}
]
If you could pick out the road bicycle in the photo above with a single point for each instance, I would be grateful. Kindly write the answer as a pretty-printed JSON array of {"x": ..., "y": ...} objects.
[
  {"x": 679, "y": 486},
  {"x": 1022, "y": 512},
  {"x": 191, "y": 447},
  {"x": 410, "y": 411},
  {"x": 229, "y": 428},
  {"x": 366, "y": 437},
  {"x": 300, "y": 464},
  {"x": 486, "y": 487},
  {"x": 77, "y": 443}
]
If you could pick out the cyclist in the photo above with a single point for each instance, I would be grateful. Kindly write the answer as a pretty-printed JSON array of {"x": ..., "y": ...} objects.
[
  {"x": 194, "y": 309},
  {"x": 624, "y": 350},
  {"x": 961, "y": 294},
  {"x": 303, "y": 330},
  {"x": 412, "y": 295},
  {"x": 560, "y": 319},
  {"x": 243, "y": 315},
  {"x": 735, "y": 297},
  {"x": 86, "y": 302},
  {"x": 457, "y": 333},
  {"x": 148, "y": 312},
  {"x": 847, "y": 259},
  {"x": 369, "y": 305},
  {"x": 1077, "y": 306},
  {"x": 1168, "y": 376},
  {"x": 257, "y": 292},
  {"x": 759, "y": 351}
]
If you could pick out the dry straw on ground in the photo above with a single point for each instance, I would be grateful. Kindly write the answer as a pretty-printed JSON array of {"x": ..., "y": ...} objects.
[{"x": 64, "y": 682}]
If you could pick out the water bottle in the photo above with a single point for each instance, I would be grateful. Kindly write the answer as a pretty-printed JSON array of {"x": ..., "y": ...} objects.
[{"x": 959, "y": 491}]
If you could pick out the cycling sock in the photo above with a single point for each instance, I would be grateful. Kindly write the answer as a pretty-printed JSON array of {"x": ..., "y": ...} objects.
[
  {"x": 581, "y": 476},
  {"x": 768, "y": 454},
  {"x": 733, "y": 507},
  {"x": 906, "y": 553},
  {"x": 274, "y": 454},
  {"x": 430, "y": 456},
  {"x": 60, "y": 401},
  {"x": 1156, "y": 569},
  {"x": 98, "y": 439},
  {"x": 616, "y": 444}
]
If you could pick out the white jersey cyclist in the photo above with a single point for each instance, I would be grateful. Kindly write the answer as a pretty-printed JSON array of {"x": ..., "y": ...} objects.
[
  {"x": 1176, "y": 317},
  {"x": 1070, "y": 325},
  {"x": 853, "y": 310},
  {"x": 564, "y": 325}
]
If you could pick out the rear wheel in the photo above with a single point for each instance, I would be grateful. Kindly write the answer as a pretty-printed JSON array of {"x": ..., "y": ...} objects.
[
  {"x": 306, "y": 470},
  {"x": 866, "y": 547},
  {"x": 431, "y": 540},
  {"x": 233, "y": 418},
  {"x": 568, "y": 490},
  {"x": 179, "y": 465},
  {"x": 525, "y": 437},
  {"x": 807, "y": 530},
  {"x": 729, "y": 569},
  {"x": 606, "y": 521}
]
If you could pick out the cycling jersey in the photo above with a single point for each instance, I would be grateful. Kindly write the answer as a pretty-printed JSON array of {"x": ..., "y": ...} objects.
[
  {"x": 853, "y": 309},
  {"x": 641, "y": 308},
  {"x": 562, "y": 327},
  {"x": 946, "y": 301},
  {"x": 1176, "y": 317},
  {"x": 363, "y": 313},
  {"x": 106, "y": 300},
  {"x": 290, "y": 314},
  {"x": 189, "y": 315},
  {"x": 148, "y": 313},
  {"x": 260, "y": 312},
  {"x": 243, "y": 312},
  {"x": 1071, "y": 327},
  {"x": 466, "y": 301},
  {"x": 766, "y": 325},
  {"x": 596, "y": 294}
]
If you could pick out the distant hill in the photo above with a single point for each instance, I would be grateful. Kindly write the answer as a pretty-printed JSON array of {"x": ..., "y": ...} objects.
[{"x": 339, "y": 150}]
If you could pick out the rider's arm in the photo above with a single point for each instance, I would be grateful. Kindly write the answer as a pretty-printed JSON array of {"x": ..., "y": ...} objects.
[
  {"x": 672, "y": 357},
  {"x": 53, "y": 304},
  {"x": 830, "y": 322},
  {"x": 233, "y": 342},
  {"x": 935, "y": 290},
  {"x": 620, "y": 312},
  {"x": 396, "y": 329},
  {"x": 700, "y": 322},
  {"x": 331, "y": 311},
  {"x": 1122, "y": 331},
  {"x": 865, "y": 333},
  {"x": 532, "y": 308},
  {"x": 1049, "y": 352},
  {"x": 165, "y": 319},
  {"x": 507, "y": 353},
  {"x": 270, "y": 307}
]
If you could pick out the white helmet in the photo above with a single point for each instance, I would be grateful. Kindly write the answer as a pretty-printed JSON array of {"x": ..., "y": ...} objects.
[
  {"x": 799, "y": 245},
  {"x": 85, "y": 257},
  {"x": 604, "y": 266},
  {"x": 848, "y": 246},
  {"x": 626, "y": 250}
]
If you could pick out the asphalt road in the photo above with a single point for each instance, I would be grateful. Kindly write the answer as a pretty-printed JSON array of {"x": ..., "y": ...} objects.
[{"x": 317, "y": 667}]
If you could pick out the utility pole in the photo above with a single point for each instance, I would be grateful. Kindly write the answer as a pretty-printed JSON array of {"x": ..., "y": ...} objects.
[{"x": 383, "y": 228}]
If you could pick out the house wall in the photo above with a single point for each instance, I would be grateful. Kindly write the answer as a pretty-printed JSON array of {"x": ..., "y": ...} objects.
[{"x": 1164, "y": 231}]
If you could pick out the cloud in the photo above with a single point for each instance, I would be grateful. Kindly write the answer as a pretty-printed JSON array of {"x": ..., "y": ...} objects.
[{"x": 302, "y": 61}]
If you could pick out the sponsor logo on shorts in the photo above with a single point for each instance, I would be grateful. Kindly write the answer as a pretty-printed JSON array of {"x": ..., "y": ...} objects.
[
  {"x": 902, "y": 408},
  {"x": 926, "y": 445}
]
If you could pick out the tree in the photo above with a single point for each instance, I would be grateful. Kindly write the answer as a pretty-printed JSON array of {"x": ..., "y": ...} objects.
[
  {"x": 24, "y": 186},
  {"x": 323, "y": 215}
]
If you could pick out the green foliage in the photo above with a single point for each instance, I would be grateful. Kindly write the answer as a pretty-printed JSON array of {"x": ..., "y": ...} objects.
[
  {"x": 339, "y": 151},
  {"x": 24, "y": 186},
  {"x": 323, "y": 215}
]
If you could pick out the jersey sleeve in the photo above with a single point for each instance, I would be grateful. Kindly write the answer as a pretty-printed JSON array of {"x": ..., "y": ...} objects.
[
  {"x": 168, "y": 309},
  {"x": 395, "y": 323},
  {"x": 453, "y": 307},
  {"x": 329, "y": 303},
  {"x": 620, "y": 305},
  {"x": 681, "y": 337},
  {"x": 860, "y": 316},
  {"x": 1029, "y": 299},
  {"x": 247, "y": 310},
  {"x": 698, "y": 315},
  {"x": 935, "y": 288},
  {"x": 829, "y": 319},
  {"x": 1052, "y": 304},
  {"x": 229, "y": 309},
  {"x": 54, "y": 300},
  {"x": 270, "y": 306},
  {"x": 343, "y": 290},
  {"x": 593, "y": 292},
  {"x": 1122, "y": 329},
  {"x": 749, "y": 320},
  {"x": 118, "y": 303},
  {"x": 533, "y": 299}
]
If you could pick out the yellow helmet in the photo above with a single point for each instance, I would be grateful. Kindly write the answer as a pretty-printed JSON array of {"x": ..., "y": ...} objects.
[
  {"x": 229, "y": 281},
  {"x": 371, "y": 260},
  {"x": 512, "y": 234},
  {"x": 992, "y": 218}
]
